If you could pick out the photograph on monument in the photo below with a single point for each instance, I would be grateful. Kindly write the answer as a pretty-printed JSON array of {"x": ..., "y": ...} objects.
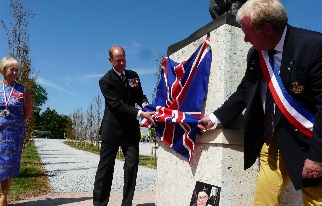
[{"x": 205, "y": 195}]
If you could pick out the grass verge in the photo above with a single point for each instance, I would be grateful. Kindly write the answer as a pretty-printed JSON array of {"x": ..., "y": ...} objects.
[
  {"x": 32, "y": 180},
  {"x": 143, "y": 160}
]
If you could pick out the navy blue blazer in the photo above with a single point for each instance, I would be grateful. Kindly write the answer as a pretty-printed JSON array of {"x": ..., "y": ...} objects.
[{"x": 301, "y": 63}]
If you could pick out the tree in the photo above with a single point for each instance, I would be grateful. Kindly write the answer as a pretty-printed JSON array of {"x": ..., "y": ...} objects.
[
  {"x": 89, "y": 126},
  {"x": 157, "y": 75},
  {"x": 77, "y": 119},
  {"x": 18, "y": 46},
  {"x": 86, "y": 126},
  {"x": 69, "y": 132},
  {"x": 97, "y": 115},
  {"x": 53, "y": 122},
  {"x": 40, "y": 98}
]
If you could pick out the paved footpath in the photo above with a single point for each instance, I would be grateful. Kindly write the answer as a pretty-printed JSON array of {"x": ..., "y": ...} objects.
[
  {"x": 141, "y": 198},
  {"x": 71, "y": 174}
]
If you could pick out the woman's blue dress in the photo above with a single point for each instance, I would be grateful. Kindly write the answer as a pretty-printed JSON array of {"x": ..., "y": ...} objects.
[{"x": 12, "y": 131}]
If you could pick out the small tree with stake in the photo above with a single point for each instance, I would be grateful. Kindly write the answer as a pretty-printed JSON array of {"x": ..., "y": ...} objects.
[{"x": 18, "y": 45}]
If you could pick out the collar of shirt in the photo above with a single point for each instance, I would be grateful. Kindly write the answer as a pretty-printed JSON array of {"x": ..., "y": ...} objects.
[
  {"x": 277, "y": 62},
  {"x": 118, "y": 73},
  {"x": 280, "y": 45},
  {"x": 279, "y": 50}
]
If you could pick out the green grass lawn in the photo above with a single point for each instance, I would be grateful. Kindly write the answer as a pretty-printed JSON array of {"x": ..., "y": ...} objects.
[
  {"x": 32, "y": 180},
  {"x": 146, "y": 161}
]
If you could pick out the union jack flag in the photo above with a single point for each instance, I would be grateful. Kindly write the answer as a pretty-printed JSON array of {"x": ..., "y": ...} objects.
[{"x": 179, "y": 98}]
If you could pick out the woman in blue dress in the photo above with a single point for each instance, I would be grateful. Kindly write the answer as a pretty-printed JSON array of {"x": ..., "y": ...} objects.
[{"x": 15, "y": 109}]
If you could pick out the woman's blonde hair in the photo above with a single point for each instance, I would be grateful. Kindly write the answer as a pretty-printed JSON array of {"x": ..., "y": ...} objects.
[
  {"x": 7, "y": 62},
  {"x": 262, "y": 12}
]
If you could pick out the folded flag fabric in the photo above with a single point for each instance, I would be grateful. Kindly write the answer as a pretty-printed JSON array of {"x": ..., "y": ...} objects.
[{"x": 179, "y": 98}]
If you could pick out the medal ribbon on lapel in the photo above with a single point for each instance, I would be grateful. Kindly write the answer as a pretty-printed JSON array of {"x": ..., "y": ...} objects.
[{"x": 295, "y": 113}]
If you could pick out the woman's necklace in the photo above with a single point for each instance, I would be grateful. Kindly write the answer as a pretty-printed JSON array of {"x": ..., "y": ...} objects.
[{"x": 5, "y": 113}]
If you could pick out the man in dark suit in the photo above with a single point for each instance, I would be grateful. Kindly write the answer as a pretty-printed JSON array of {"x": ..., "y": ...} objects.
[
  {"x": 289, "y": 61},
  {"x": 120, "y": 127}
]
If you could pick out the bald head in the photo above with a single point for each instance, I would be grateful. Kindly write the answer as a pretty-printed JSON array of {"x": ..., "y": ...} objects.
[{"x": 116, "y": 50}]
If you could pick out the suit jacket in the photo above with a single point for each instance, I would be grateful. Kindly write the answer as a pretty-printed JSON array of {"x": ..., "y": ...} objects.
[
  {"x": 119, "y": 124},
  {"x": 302, "y": 64}
]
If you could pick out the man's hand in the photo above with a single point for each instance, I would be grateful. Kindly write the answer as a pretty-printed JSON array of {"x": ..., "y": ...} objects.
[
  {"x": 205, "y": 123},
  {"x": 311, "y": 169},
  {"x": 148, "y": 116}
]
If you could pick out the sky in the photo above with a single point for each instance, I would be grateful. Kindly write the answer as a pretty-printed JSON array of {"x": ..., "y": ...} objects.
[{"x": 69, "y": 40}]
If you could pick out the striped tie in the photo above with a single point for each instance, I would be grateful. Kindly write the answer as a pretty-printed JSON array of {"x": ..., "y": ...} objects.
[
  {"x": 123, "y": 77},
  {"x": 269, "y": 107}
]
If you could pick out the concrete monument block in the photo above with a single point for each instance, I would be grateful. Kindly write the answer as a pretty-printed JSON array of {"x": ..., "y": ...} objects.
[{"x": 218, "y": 155}]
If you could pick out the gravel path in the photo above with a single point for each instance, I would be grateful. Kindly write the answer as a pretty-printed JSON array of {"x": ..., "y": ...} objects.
[{"x": 71, "y": 174}]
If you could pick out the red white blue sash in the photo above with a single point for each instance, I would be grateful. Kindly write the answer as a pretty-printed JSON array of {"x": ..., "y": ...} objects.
[{"x": 295, "y": 113}]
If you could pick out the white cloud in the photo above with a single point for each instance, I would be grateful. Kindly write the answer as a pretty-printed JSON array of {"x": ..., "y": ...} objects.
[
  {"x": 142, "y": 71},
  {"x": 134, "y": 47},
  {"x": 86, "y": 77},
  {"x": 101, "y": 55},
  {"x": 83, "y": 77},
  {"x": 50, "y": 84}
]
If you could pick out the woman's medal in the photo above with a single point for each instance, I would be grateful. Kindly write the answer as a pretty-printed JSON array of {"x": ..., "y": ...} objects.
[{"x": 6, "y": 113}]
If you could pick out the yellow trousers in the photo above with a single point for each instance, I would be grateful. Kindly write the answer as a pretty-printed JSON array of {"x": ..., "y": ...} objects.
[{"x": 273, "y": 179}]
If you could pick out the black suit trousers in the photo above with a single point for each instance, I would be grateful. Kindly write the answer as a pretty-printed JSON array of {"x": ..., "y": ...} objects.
[{"x": 105, "y": 170}]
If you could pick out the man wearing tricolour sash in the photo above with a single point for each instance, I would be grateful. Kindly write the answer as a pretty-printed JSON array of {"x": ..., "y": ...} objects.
[{"x": 284, "y": 70}]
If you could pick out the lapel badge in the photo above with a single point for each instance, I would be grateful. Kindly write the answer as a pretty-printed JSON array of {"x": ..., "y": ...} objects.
[
  {"x": 297, "y": 88},
  {"x": 133, "y": 82}
]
